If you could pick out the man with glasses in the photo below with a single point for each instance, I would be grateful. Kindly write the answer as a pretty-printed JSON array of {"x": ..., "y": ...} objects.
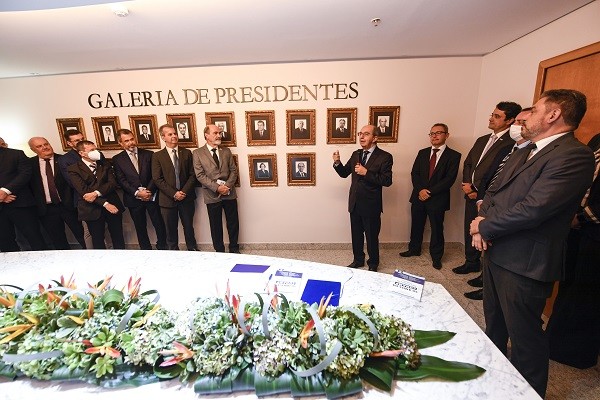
[
  {"x": 433, "y": 174},
  {"x": 371, "y": 170}
]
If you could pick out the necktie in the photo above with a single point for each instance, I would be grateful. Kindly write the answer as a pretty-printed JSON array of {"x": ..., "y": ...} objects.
[
  {"x": 432, "y": 161},
  {"x": 501, "y": 166},
  {"x": 489, "y": 144},
  {"x": 532, "y": 147},
  {"x": 364, "y": 157},
  {"x": 54, "y": 197},
  {"x": 93, "y": 168},
  {"x": 215, "y": 157},
  {"x": 176, "y": 166},
  {"x": 134, "y": 160}
]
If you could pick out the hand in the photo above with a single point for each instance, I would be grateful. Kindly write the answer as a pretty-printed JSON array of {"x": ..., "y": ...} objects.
[
  {"x": 9, "y": 198},
  {"x": 466, "y": 187},
  {"x": 474, "y": 227},
  {"x": 179, "y": 195},
  {"x": 472, "y": 195},
  {"x": 144, "y": 195},
  {"x": 360, "y": 169},
  {"x": 90, "y": 197},
  {"x": 479, "y": 243},
  {"x": 336, "y": 156},
  {"x": 111, "y": 208},
  {"x": 424, "y": 194},
  {"x": 3, "y": 196},
  {"x": 223, "y": 190}
]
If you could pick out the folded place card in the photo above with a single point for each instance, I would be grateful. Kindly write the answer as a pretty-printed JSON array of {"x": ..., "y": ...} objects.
[
  {"x": 316, "y": 289},
  {"x": 248, "y": 279}
]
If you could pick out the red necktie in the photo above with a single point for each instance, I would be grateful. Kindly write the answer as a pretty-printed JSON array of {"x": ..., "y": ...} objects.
[
  {"x": 54, "y": 197},
  {"x": 432, "y": 161}
]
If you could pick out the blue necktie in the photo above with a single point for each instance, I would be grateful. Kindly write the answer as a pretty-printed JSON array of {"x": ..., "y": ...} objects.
[{"x": 176, "y": 165}]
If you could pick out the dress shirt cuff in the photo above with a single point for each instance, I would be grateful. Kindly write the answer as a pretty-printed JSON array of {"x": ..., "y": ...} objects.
[
  {"x": 5, "y": 190},
  {"x": 105, "y": 203},
  {"x": 98, "y": 193}
]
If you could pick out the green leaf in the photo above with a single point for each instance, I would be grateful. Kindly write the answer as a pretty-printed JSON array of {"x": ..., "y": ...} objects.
[
  {"x": 112, "y": 297},
  {"x": 170, "y": 372},
  {"x": 125, "y": 375},
  {"x": 7, "y": 371},
  {"x": 66, "y": 322},
  {"x": 242, "y": 379},
  {"x": 379, "y": 372},
  {"x": 427, "y": 339},
  {"x": 337, "y": 387},
  {"x": 66, "y": 374},
  {"x": 309, "y": 386},
  {"x": 213, "y": 384},
  {"x": 436, "y": 367},
  {"x": 265, "y": 386}
]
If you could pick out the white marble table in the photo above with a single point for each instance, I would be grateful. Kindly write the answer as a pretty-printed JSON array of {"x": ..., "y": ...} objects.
[{"x": 181, "y": 276}]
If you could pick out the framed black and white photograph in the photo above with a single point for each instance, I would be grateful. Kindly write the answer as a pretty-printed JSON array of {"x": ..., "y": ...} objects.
[
  {"x": 341, "y": 125},
  {"x": 185, "y": 126},
  {"x": 69, "y": 124},
  {"x": 145, "y": 129},
  {"x": 225, "y": 121},
  {"x": 263, "y": 169},
  {"x": 301, "y": 169},
  {"x": 386, "y": 119},
  {"x": 300, "y": 127},
  {"x": 260, "y": 128},
  {"x": 105, "y": 130}
]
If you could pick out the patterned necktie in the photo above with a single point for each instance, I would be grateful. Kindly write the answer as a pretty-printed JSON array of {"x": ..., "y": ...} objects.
[
  {"x": 365, "y": 155},
  {"x": 134, "y": 160},
  {"x": 54, "y": 197},
  {"x": 176, "y": 166},
  {"x": 93, "y": 168},
  {"x": 432, "y": 162},
  {"x": 215, "y": 157},
  {"x": 501, "y": 166}
]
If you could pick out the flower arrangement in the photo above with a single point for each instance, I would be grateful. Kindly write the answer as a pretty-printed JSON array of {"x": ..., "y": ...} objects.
[{"x": 110, "y": 337}]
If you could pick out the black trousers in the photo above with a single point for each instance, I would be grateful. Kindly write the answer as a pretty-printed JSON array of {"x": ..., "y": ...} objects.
[
  {"x": 215, "y": 218},
  {"x": 367, "y": 227},
  {"x": 138, "y": 215},
  {"x": 472, "y": 255},
  {"x": 26, "y": 221},
  {"x": 54, "y": 225},
  {"x": 69, "y": 215},
  {"x": 115, "y": 228},
  {"x": 183, "y": 210},
  {"x": 513, "y": 306},
  {"x": 419, "y": 213}
]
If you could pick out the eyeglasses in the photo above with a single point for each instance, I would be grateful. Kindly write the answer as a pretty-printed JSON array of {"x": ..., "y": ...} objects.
[{"x": 438, "y": 133}]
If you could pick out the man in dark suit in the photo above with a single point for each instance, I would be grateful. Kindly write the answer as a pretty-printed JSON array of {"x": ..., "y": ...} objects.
[
  {"x": 523, "y": 225},
  {"x": 476, "y": 164},
  {"x": 145, "y": 135},
  {"x": 217, "y": 173},
  {"x": 72, "y": 137},
  {"x": 261, "y": 132},
  {"x": 173, "y": 175},
  {"x": 17, "y": 204},
  {"x": 300, "y": 132},
  {"x": 133, "y": 170},
  {"x": 53, "y": 195},
  {"x": 300, "y": 172},
  {"x": 383, "y": 129},
  {"x": 98, "y": 203},
  {"x": 371, "y": 170},
  {"x": 433, "y": 174},
  {"x": 223, "y": 131},
  {"x": 341, "y": 131}
]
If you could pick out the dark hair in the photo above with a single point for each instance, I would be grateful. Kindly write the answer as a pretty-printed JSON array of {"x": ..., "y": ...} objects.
[
  {"x": 71, "y": 132},
  {"x": 123, "y": 132},
  {"x": 442, "y": 125},
  {"x": 82, "y": 144},
  {"x": 162, "y": 127},
  {"x": 510, "y": 108},
  {"x": 572, "y": 104}
]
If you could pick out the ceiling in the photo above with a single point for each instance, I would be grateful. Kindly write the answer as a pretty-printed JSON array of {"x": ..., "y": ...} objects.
[{"x": 44, "y": 37}]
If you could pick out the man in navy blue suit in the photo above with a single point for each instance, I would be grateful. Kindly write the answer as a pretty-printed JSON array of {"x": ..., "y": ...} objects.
[{"x": 133, "y": 170}]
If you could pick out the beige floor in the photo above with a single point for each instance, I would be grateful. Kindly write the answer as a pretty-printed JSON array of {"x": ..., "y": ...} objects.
[{"x": 564, "y": 382}]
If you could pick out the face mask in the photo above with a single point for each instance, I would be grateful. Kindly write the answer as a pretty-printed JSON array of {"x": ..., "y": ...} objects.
[
  {"x": 515, "y": 132},
  {"x": 94, "y": 155}
]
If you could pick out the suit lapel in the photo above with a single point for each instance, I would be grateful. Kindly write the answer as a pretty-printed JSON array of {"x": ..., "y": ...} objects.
[{"x": 440, "y": 163}]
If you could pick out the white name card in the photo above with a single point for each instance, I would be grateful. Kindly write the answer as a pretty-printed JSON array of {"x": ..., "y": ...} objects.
[
  {"x": 407, "y": 284},
  {"x": 287, "y": 282}
]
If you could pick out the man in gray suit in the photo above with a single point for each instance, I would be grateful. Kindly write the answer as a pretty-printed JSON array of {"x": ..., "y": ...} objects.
[
  {"x": 215, "y": 169},
  {"x": 523, "y": 224}
]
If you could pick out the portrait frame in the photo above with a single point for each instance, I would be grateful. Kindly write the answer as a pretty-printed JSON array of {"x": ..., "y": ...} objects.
[
  {"x": 270, "y": 161},
  {"x": 136, "y": 124},
  {"x": 66, "y": 124},
  {"x": 392, "y": 115},
  {"x": 189, "y": 120},
  {"x": 294, "y": 160},
  {"x": 228, "y": 119},
  {"x": 294, "y": 135},
  {"x": 237, "y": 166},
  {"x": 334, "y": 116},
  {"x": 252, "y": 123},
  {"x": 102, "y": 126}
]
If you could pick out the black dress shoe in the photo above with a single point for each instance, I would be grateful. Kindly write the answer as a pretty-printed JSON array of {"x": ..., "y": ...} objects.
[
  {"x": 355, "y": 264},
  {"x": 193, "y": 249},
  {"x": 373, "y": 269},
  {"x": 476, "y": 282},
  {"x": 465, "y": 269},
  {"x": 475, "y": 294},
  {"x": 410, "y": 253},
  {"x": 437, "y": 264}
]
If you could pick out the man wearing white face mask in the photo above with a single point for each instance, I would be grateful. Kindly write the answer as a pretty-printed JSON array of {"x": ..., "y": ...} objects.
[
  {"x": 492, "y": 176},
  {"x": 97, "y": 200}
]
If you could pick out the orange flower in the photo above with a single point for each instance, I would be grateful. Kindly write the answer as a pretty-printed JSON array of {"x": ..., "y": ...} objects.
[
  {"x": 388, "y": 353},
  {"x": 179, "y": 353},
  {"x": 70, "y": 284},
  {"x": 306, "y": 333},
  {"x": 133, "y": 287},
  {"x": 102, "y": 350},
  {"x": 9, "y": 300}
]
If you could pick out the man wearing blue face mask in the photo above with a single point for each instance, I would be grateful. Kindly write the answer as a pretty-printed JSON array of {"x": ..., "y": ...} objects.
[{"x": 97, "y": 200}]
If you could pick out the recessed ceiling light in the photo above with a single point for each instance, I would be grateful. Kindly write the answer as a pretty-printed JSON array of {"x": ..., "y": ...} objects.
[{"x": 119, "y": 10}]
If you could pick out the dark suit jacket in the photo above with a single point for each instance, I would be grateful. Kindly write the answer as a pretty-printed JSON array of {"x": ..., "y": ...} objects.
[
  {"x": 84, "y": 181},
  {"x": 486, "y": 179},
  {"x": 15, "y": 173},
  {"x": 263, "y": 174},
  {"x": 256, "y": 135},
  {"x": 590, "y": 225},
  {"x": 365, "y": 191},
  {"x": 528, "y": 213},
  {"x": 129, "y": 179},
  {"x": 444, "y": 176},
  {"x": 338, "y": 133},
  {"x": 472, "y": 158},
  {"x": 163, "y": 175},
  {"x": 388, "y": 131},
  {"x": 300, "y": 133},
  {"x": 37, "y": 186}
]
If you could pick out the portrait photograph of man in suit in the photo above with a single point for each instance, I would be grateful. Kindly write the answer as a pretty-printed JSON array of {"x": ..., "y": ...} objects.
[
  {"x": 145, "y": 135},
  {"x": 383, "y": 126},
  {"x": 341, "y": 130},
  {"x": 223, "y": 131},
  {"x": 261, "y": 130},
  {"x": 108, "y": 134},
  {"x": 300, "y": 131}
]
